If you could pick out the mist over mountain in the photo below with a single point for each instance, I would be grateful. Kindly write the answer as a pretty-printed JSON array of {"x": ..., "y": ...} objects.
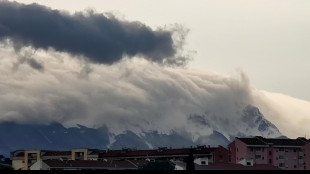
[
  {"x": 55, "y": 136},
  {"x": 134, "y": 95}
]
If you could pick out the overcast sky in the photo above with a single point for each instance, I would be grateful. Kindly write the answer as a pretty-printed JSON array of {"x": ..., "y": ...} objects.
[
  {"x": 269, "y": 40},
  {"x": 74, "y": 68}
]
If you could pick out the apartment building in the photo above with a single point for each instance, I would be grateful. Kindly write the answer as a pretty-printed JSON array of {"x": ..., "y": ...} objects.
[
  {"x": 207, "y": 155},
  {"x": 289, "y": 154},
  {"x": 24, "y": 159},
  {"x": 88, "y": 165}
]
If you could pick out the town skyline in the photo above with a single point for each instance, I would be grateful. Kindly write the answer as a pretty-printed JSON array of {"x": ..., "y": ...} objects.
[{"x": 106, "y": 74}]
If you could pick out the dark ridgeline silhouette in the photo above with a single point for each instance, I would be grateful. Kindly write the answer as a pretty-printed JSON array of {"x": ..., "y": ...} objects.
[{"x": 190, "y": 165}]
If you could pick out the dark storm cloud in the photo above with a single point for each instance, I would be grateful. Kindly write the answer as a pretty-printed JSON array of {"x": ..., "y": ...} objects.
[{"x": 99, "y": 38}]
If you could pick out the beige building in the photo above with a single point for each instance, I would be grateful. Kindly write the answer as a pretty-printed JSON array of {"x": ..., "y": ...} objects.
[
  {"x": 84, "y": 158},
  {"x": 23, "y": 159}
]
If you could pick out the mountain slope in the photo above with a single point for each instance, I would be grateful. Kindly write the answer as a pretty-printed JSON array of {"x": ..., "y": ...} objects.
[{"x": 54, "y": 136}]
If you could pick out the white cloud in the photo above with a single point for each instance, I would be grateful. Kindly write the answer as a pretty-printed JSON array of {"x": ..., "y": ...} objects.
[
  {"x": 291, "y": 115},
  {"x": 135, "y": 95}
]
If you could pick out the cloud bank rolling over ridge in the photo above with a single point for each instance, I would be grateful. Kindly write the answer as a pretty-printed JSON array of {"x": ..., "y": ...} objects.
[{"x": 135, "y": 94}]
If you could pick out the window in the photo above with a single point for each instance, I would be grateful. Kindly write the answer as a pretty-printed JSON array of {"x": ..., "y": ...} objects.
[
  {"x": 270, "y": 152},
  {"x": 258, "y": 149},
  {"x": 203, "y": 162},
  {"x": 295, "y": 151},
  {"x": 270, "y": 161},
  {"x": 281, "y": 164},
  {"x": 295, "y": 166},
  {"x": 300, "y": 157},
  {"x": 79, "y": 155},
  {"x": 286, "y": 150},
  {"x": 281, "y": 149},
  {"x": 237, "y": 149},
  {"x": 263, "y": 158},
  {"x": 248, "y": 163},
  {"x": 258, "y": 156},
  {"x": 251, "y": 149},
  {"x": 281, "y": 157}
]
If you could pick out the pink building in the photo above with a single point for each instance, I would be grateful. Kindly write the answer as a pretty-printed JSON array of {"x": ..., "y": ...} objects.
[
  {"x": 289, "y": 154},
  {"x": 306, "y": 149}
]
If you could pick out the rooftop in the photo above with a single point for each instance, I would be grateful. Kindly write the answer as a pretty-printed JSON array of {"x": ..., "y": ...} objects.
[
  {"x": 125, "y": 164},
  {"x": 228, "y": 166},
  {"x": 252, "y": 141},
  {"x": 155, "y": 152},
  {"x": 274, "y": 142}
]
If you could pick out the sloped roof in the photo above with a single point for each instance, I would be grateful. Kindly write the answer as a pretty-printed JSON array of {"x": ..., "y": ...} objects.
[
  {"x": 286, "y": 142},
  {"x": 273, "y": 141},
  {"x": 230, "y": 166},
  {"x": 155, "y": 152},
  {"x": 252, "y": 141},
  {"x": 125, "y": 164},
  {"x": 97, "y": 152}
]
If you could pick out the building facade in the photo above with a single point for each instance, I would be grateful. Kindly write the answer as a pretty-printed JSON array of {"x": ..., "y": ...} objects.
[
  {"x": 288, "y": 154},
  {"x": 24, "y": 159}
]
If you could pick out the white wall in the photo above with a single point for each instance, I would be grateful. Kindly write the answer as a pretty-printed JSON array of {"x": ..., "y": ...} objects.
[
  {"x": 199, "y": 161},
  {"x": 39, "y": 165},
  {"x": 245, "y": 161}
]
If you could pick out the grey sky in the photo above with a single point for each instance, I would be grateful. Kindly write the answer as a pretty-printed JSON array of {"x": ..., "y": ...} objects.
[{"x": 268, "y": 39}]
